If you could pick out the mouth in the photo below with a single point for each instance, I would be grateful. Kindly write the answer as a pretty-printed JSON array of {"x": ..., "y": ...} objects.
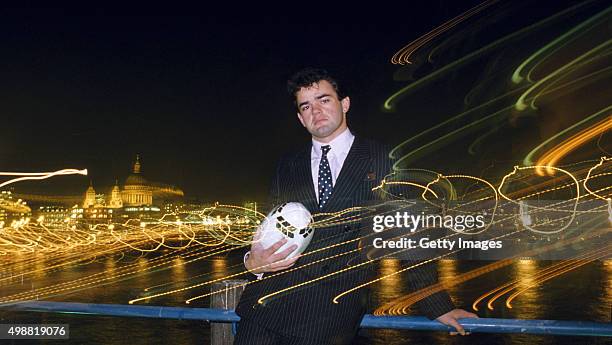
[{"x": 319, "y": 121}]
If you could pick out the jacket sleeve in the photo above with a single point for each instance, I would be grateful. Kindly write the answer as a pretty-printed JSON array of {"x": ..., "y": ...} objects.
[
  {"x": 436, "y": 304},
  {"x": 423, "y": 275}
]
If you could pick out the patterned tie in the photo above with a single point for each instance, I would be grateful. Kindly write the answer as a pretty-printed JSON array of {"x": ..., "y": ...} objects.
[{"x": 325, "y": 177}]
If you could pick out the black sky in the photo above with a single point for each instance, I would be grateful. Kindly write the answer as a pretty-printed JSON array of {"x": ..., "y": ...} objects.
[{"x": 202, "y": 100}]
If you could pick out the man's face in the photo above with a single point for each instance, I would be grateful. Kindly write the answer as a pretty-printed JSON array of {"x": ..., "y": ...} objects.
[{"x": 321, "y": 112}]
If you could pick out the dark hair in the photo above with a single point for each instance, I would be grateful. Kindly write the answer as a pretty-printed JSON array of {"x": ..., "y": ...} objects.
[{"x": 309, "y": 76}]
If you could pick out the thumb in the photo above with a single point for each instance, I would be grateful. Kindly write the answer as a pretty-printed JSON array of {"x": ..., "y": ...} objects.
[{"x": 258, "y": 232}]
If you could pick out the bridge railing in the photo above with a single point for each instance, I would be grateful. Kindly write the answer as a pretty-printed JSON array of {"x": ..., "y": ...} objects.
[{"x": 214, "y": 315}]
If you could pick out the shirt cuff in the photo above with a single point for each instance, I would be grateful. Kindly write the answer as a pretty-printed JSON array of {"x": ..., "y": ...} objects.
[{"x": 246, "y": 256}]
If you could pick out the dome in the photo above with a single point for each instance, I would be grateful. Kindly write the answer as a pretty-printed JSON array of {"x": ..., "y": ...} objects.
[
  {"x": 136, "y": 190},
  {"x": 135, "y": 180}
]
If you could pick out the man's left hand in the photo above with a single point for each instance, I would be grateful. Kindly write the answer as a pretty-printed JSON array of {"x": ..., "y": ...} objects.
[{"x": 450, "y": 319}]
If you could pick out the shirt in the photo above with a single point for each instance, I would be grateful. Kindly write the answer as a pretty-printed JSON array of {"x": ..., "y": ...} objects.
[{"x": 340, "y": 147}]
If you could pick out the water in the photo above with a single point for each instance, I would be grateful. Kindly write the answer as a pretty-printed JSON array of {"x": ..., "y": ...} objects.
[{"x": 581, "y": 294}]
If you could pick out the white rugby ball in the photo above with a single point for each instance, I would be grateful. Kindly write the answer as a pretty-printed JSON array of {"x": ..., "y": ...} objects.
[{"x": 290, "y": 220}]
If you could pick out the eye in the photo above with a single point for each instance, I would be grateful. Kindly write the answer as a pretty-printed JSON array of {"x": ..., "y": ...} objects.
[
  {"x": 303, "y": 108},
  {"x": 324, "y": 100}
]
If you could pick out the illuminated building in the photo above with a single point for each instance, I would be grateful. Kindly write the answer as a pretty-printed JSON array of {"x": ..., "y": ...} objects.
[
  {"x": 136, "y": 191},
  {"x": 146, "y": 214},
  {"x": 92, "y": 215},
  {"x": 115, "y": 199},
  {"x": 133, "y": 201},
  {"x": 97, "y": 215},
  {"x": 90, "y": 197},
  {"x": 12, "y": 210},
  {"x": 53, "y": 215}
]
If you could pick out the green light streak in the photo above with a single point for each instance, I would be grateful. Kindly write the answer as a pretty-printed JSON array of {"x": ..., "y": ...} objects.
[
  {"x": 556, "y": 44},
  {"x": 388, "y": 104},
  {"x": 521, "y": 103}
]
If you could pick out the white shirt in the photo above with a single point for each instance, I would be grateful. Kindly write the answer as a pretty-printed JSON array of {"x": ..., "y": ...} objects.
[{"x": 340, "y": 147}]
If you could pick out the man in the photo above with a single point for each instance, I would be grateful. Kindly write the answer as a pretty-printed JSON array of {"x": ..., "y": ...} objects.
[{"x": 335, "y": 172}]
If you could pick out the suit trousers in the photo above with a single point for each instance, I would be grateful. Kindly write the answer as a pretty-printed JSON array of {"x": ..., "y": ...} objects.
[{"x": 251, "y": 333}]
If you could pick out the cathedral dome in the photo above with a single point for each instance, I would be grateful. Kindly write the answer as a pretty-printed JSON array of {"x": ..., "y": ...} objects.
[
  {"x": 136, "y": 180},
  {"x": 136, "y": 190}
]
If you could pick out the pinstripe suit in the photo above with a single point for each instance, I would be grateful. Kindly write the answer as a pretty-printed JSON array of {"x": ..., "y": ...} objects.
[{"x": 308, "y": 312}]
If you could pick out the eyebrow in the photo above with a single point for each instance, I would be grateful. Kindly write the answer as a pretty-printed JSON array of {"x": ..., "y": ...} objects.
[{"x": 318, "y": 97}]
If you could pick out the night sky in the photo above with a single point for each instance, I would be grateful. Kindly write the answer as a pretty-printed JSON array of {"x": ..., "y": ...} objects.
[{"x": 202, "y": 100}]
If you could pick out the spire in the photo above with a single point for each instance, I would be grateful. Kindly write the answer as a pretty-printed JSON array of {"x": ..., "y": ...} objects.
[
  {"x": 116, "y": 186},
  {"x": 137, "y": 165}
]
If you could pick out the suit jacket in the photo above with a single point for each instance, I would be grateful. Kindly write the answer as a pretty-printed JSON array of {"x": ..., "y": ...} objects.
[{"x": 308, "y": 311}]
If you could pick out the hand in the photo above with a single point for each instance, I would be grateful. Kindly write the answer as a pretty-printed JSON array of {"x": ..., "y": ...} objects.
[
  {"x": 262, "y": 259},
  {"x": 450, "y": 319}
]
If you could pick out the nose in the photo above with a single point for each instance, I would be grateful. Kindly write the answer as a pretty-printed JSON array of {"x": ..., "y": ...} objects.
[{"x": 316, "y": 109}]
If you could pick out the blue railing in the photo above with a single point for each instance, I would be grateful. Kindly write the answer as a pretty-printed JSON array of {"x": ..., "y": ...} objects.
[{"x": 482, "y": 325}]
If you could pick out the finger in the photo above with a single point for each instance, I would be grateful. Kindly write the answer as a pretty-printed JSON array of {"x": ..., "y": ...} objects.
[
  {"x": 280, "y": 265},
  {"x": 289, "y": 260},
  {"x": 461, "y": 314},
  {"x": 467, "y": 314},
  {"x": 283, "y": 255},
  {"x": 453, "y": 323},
  {"x": 283, "y": 262},
  {"x": 273, "y": 248}
]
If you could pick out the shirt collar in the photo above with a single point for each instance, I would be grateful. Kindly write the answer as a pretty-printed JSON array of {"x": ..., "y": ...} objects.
[{"x": 340, "y": 145}]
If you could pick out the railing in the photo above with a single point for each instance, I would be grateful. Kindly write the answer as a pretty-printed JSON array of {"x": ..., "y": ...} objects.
[{"x": 482, "y": 325}]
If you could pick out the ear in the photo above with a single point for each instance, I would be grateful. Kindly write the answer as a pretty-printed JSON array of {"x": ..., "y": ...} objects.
[
  {"x": 301, "y": 119},
  {"x": 346, "y": 104}
]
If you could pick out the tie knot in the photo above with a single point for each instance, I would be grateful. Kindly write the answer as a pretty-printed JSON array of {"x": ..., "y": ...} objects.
[{"x": 325, "y": 149}]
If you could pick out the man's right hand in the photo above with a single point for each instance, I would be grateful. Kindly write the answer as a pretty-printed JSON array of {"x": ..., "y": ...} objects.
[{"x": 262, "y": 259}]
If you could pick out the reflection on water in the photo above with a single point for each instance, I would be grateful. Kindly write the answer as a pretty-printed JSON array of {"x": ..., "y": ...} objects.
[
  {"x": 447, "y": 270},
  {"x": 390, "y": 287},
  {"x": 583, "y": 294},
  {"x": 524, "y": 305}
]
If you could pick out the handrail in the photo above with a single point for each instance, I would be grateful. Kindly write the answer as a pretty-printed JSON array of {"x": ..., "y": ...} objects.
[{"x": 481, "y": 325}]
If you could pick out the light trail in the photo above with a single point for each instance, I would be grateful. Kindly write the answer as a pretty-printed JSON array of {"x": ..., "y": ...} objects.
[
  {"x": 390, "y": 102},
  {"x": 39, "y": 176},
  {"x": 557, "y": 153},
  {"x": 402, "y": 57},
  {"x": 584, "y": 183},
  {"x": 603, "y": 252}
]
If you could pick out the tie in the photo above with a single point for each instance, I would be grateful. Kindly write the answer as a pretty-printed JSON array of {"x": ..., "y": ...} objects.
[{"x": 325, "y": 177}]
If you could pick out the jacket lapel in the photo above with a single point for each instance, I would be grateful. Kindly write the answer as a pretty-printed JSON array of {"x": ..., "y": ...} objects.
[
  {"x": 303, "y": 185},
  {"x": 351, "y": 175}
]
